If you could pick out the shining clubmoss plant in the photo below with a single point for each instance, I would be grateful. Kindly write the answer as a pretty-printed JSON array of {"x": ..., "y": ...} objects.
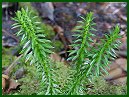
[
  {"x": 36, "y": 49},
  {"x": 88, "y": 60}
]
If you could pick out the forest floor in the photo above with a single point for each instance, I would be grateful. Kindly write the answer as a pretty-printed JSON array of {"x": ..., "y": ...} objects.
[{"x": 61, "y": 18}]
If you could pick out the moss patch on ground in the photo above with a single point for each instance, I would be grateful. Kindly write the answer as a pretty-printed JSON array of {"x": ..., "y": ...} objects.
[
  {"x": 101, "y": 87},
  {"x": 30, "y": 83}
]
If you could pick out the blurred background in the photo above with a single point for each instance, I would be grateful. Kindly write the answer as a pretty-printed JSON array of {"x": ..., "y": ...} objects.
[{"x": 59, "y": 19}]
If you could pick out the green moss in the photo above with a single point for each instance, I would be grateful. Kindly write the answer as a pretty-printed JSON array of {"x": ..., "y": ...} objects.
[
  {"x": 29, "y": 6},
  {"x": 63, "y": 72},
  {"x": 101, "y": 87},
  {"x": 48, "y": 30},
  {"x": 30, "y": 83},
  {"x": 7, "y": 58},
  {"x": 58, "y": 45}
]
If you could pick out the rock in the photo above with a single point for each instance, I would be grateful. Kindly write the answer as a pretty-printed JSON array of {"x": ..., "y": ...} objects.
[
  {"x": 123, "y": 26},
  {"x": 19, "y": 73},
  {"x": 122, "y": 32},
  {"x": 81, "y": 11},
  {"x": 47, "y": 10},
  {"x": 6, "y": 4},
  {"x": 123, "y": 17},
  {"x": 65, "y": 17}
]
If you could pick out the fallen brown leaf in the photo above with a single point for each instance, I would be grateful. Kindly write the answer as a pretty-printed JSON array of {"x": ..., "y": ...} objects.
[
  {"x": 3, "y": 83},
  {"x": 122, "y": 62},
  {"x": 8, "y": 84},
  {"x": 13, "y": 85},
  {"x": 5, "y": 79}
]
